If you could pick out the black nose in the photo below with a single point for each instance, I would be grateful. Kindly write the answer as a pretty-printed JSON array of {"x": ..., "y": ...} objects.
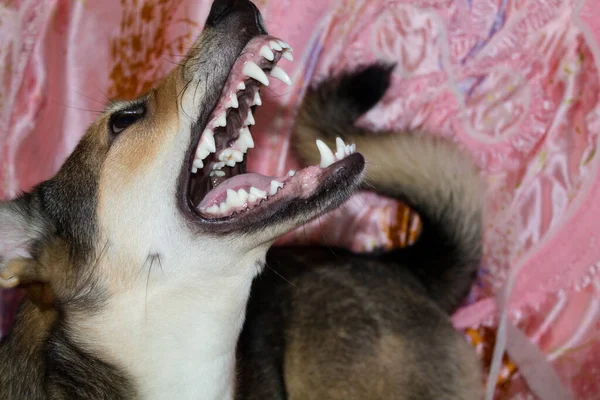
[{"x": 247, "y": 12}]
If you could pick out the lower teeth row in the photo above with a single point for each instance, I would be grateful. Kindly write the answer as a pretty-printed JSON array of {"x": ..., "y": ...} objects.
[{"x": 242, "y": 199}]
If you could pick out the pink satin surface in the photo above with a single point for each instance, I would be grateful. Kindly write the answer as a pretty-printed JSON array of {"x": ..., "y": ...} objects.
[{"x": 514, "y": 82}]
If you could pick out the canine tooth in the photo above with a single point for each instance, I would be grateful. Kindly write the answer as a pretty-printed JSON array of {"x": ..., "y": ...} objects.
[
  {"x": 241, "y": 145},
  {"x": 291, "y": 173},
  {"x": 198, "y": 164},
  {"x": 283, "y": 44},
  {"x": 207, "y": 141},
  {"x": 280, "y": 74},
  {"x": 249, "y": 118},
  {"x": 266, "y": 52},
  {"x": 287, "y": 55},
  {"x": 241, "y": 86},
  {"x": 243, "y": 195},
  {"x": 237, "y": 156},
  {"x": 233, "y": 198},
  {"x": 253, "y": 71},
  {"x": 221, "y": 120},
  {"x": 327, "y": 157},
  {"x": 275, "y": 45},
  {"x": 217, "y": 173},
  {"x": 233, "y": 101},
  {"x": 258, "y": 193},
  {"x": 213, "y": 209},
  {"x": 342, "y": 149},
  {"x": 246, "y": 136},
  {"x": 275, "y": 185}
]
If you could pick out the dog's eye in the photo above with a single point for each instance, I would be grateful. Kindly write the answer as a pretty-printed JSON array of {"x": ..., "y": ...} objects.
[{"x": 121, "y": 120}]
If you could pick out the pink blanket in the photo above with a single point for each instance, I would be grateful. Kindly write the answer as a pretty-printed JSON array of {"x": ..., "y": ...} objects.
[{"x": 514, "y": 81}]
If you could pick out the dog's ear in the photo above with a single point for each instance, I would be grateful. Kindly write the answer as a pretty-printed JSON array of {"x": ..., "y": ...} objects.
[{"x": 22, "y": 227}]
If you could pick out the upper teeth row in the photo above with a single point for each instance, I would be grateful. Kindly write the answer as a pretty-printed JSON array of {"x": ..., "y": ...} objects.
[
  {"x": 342, "y": 150},
  {"x": 245, "y": 141}
]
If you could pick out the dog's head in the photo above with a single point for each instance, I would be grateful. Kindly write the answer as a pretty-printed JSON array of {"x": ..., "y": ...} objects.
[{"x": 161, "y": 181}]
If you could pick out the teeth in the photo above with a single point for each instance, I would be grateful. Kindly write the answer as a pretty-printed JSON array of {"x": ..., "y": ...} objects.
[
  {"x": 257, "y": 193},
  {"x": 241, "y": 86},
  {"x": 217, "y": 166},
  {"x": 342, "y": 149},
  {"x": 233, "y": 199},
  {"x": 246, "y": 136},
  {"x": 201, "y": 153},
  {"x": 237, "y": 156},
  {"x": 253, "y": 71},
  {"x": 241, "y": 145},
  {"x": 225, "y": 155},
  {"x": 243, "y": 195},
  {"x": 280, "y": 74},
  {"x": 249, "y": 118},
  {"x": 350, "y": 149},
  {"x": 287, "y": 55},
  {"x": 275, "y": 185},
  {"x": 221, "y": 120},
  {"x": 257, "y": 100},
  {"x": 231, "y": 156},
  {"x": 266, "y": 52},
  {"x": 327, "y": 157},
  {"x": 217, "y": 173},
  {"x": 291, "y": 173},
  {"x": 283, "y": 44},
  {"x": 210, "y": 141},
  {"x": 223, "y": 208},
  {"x": 207, "y": 144},
  {"x": 233, "y": 102},
  {"x": 198, "y": 164},
  {"x": 275, "y": 45},
  {"x": 213, "y": 210}
]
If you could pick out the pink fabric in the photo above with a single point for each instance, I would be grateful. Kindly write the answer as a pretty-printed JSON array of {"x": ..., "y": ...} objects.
[{"x": 515, "y": 82}]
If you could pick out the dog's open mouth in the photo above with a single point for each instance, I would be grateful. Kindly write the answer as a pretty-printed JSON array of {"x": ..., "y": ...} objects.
[{"x": 219, "y": 186}]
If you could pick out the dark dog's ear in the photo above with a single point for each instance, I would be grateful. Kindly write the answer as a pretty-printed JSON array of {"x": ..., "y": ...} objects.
[{"x": 22, "y": 227}]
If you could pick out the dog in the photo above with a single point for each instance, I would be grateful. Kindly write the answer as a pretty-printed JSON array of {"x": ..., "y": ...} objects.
[
  {"x": 138, "y": 257},
  {"x": 325, "y": 323}
]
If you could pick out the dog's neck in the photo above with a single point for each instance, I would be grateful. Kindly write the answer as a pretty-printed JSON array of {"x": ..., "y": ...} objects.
[{"x": 178, "y": 340}]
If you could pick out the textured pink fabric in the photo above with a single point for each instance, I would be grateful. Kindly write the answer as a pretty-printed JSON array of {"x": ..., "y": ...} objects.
[{"x": 515, "y": 82}]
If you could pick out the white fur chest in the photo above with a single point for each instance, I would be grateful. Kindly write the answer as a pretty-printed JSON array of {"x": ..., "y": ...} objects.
[{"x": 177, "y": 342}]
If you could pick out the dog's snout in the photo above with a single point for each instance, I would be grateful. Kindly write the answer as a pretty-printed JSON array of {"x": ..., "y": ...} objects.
[
  {"x": 244, "y": 9},
  {"x": 219, "y": 9}
]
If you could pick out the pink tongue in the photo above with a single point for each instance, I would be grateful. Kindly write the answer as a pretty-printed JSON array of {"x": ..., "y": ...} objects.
[{"x": 244, "y": 181}]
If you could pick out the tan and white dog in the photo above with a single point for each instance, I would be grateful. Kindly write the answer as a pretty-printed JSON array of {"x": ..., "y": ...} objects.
[{"x": 139, "y": 255}]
